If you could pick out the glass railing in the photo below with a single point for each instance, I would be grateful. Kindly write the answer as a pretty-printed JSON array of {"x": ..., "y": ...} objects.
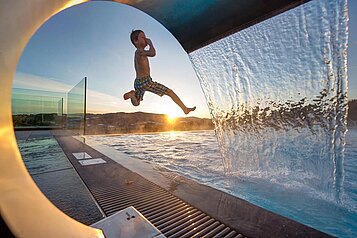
[
  {"x": 76, "y": 108},
  {"x": 37, "y": 109}
]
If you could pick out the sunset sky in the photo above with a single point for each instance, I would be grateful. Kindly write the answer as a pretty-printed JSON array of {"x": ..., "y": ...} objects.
[{"x": 92, "y": 40}]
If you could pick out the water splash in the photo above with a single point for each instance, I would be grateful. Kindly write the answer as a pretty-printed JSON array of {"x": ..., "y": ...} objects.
[{"x": 277, "y": 93}]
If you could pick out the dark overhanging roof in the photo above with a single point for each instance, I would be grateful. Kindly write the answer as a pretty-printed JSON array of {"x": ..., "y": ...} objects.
[{"x": 196, "y": 23}]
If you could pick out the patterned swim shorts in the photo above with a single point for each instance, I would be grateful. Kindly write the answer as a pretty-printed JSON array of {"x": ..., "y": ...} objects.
[{"x": 146, "y": 84}]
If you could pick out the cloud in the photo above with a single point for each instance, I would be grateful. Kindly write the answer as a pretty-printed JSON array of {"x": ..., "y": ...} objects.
[
  {"x": 104, "y": 103},
  {"x": 29, "y": 81}
]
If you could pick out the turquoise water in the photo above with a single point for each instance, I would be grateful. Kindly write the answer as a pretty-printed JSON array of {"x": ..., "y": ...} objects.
[{"x": 196, "y": 155}]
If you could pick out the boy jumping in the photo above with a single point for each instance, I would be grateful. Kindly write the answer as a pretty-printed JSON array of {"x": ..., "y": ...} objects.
[{"x": 143, "y": 81}]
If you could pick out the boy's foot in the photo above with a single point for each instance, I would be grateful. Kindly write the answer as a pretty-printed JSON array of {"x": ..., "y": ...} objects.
[
  {"x": 134, "y": 101},
  {"x": 189, "y": 109},
  {"x": 128, "y": 95}
]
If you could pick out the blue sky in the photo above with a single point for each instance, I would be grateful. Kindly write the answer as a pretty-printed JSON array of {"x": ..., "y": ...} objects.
[{"x": 92, "y": 40}]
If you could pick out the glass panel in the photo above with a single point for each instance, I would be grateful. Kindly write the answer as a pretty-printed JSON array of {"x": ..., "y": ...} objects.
[
  {"x": 60, "y": 107},
  {"x": 35, "y": 108},
  {"x": 76, "y": 107}
]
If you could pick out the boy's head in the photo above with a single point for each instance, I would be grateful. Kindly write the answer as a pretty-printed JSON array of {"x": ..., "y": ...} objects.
[{"x": 134, "y": 36}]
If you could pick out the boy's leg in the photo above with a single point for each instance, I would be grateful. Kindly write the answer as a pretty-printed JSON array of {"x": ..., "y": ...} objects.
[
  {"x": 128, "y": 95},
  {"x": 132, "y": 97},
  {"x": 161, "y": 89},
  {"x": 178, "y": 101},
  {"x": 135, "y": 101}
]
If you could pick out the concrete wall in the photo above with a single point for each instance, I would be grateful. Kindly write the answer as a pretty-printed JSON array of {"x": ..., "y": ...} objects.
[{"x": 26, "y": 211}]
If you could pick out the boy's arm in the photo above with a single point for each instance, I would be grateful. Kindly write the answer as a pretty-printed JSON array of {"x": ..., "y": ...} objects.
[{"x": 151, "y": 52}]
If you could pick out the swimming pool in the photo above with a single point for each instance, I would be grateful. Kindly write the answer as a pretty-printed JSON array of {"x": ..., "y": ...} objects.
[
  {"x": 196, "y": 156},
  {"x": 57, "y": 179}
]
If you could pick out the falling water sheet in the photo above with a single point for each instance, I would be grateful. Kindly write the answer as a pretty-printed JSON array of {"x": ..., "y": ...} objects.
[{"x": 277, "y": 94}]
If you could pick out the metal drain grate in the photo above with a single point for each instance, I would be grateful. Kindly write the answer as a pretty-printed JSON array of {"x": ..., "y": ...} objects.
[{"x": 172, "y": 216}]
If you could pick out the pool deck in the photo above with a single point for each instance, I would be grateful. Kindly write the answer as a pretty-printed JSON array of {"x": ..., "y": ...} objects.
[{"x": 117, "y": 175}]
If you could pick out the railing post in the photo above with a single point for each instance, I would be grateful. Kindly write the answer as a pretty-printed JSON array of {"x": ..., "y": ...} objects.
[{"x": 85, "y": 106}]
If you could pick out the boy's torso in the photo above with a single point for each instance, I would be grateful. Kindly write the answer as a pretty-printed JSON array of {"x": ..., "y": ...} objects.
[{"x": 142, "y": 66}]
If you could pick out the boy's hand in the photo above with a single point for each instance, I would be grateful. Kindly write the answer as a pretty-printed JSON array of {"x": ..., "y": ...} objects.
[
  {"x": 148, "y": 41},
  {"x": 151, "y": 52}
]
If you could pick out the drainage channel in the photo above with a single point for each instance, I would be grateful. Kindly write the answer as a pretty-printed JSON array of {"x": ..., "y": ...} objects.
[{"x": 172, "y": 216}]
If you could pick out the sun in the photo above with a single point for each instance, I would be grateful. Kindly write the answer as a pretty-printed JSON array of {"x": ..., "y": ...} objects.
[
  {"x": 171, "y": 119},
  {"x": 171, "y": 111}
]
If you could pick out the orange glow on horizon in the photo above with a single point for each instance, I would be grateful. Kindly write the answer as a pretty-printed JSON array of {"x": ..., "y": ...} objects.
[{"x": 171, "y": 119}]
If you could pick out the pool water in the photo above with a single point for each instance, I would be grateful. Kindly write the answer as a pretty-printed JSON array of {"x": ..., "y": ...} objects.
[
  {"x": 196, "y": 155},
  {"x": 57, "y": 179}
]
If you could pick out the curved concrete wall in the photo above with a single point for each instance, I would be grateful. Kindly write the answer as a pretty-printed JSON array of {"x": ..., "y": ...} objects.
[
  {"x": 196, "y": 23},
  {"x": 26, "y": 211}
]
